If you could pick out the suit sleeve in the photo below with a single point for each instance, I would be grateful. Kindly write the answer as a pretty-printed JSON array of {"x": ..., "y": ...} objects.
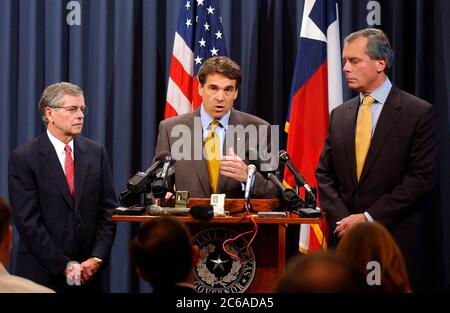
[
  {"x": 105, "y": 228},
  {"x": 420, "y": 177},
  {"x": 328, "y": 184},
  {"x": 27, "y": 216}
]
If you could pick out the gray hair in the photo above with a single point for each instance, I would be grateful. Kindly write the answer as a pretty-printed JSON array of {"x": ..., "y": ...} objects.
[
  {"x": 53, "y": 95},
  {"x": 378, "y": 46}
]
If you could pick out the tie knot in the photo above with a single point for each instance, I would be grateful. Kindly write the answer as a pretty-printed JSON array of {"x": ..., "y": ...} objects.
[
  {"x": 214, "y": 125},
  {"x": 368, "y": 100},
  {"x": 67, "y": 149}
]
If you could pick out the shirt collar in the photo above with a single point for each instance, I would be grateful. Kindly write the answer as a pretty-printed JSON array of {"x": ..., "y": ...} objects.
[
  {"x": 58, "y": 144},
  {"x": 381, "y": 93},
  {"x": 206, "y": 119}
]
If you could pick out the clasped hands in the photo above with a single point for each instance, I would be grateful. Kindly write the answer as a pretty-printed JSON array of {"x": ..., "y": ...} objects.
[
  {"x": 345, "y": 224},
  {"x": 80, "y": 274}
]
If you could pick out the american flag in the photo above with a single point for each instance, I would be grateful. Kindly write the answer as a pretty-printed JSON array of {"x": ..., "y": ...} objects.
[{"x": 199, "y": 36}]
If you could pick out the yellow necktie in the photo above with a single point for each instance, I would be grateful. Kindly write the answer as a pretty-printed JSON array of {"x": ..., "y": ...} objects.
[
  {"x": 212, "y": 154},
  {"x": 363, "y": 133}
]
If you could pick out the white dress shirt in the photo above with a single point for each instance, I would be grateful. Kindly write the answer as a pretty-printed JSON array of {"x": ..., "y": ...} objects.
[{"x": 59, "y": 148}]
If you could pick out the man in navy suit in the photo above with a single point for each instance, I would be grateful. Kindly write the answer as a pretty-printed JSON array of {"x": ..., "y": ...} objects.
[
  {"x": 378, "y": 162},
  {"x": 62, "y": 196}
]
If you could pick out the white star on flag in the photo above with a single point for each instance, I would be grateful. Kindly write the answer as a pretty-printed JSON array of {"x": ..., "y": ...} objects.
[
  {"x": 214, "y": 51},
  {"x": 218, "y": 35},
  {"x": 198, "y": 60},
  {"x": 210, "y": 10},
  {"x": 206, "y": 26},
  {"x": 188, "y": 5},
  {"x": 202, "y": 43},
  {"x": 188, "y": 23},
  {"x": 200, "y": 2}
]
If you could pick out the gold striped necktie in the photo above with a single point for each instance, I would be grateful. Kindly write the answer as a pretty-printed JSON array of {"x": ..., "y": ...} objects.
[
  {"x": 212, "y": 153},
  {"x": 363, "y": 133}
]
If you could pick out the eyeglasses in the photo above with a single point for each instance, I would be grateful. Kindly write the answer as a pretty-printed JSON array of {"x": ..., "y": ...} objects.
[{"x": 73, "y": 110}]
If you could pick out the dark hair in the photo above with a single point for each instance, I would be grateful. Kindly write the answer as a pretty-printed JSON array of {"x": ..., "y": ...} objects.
[
  {"x": 319, "y": 272},
  {"x": 5, "y": 217},
  {"x": 378, "y": 46},
  {"x": 368, "y": 242},
  {"x": 162, "y": 250},
  {"x": 223, "y": 66}
]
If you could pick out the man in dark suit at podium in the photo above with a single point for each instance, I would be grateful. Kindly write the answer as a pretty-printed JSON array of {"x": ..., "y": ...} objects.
[
  {"x": 211, "y": 145},
  {"x": 62, "y": 196},
  {"x": 378, "y": 162}
]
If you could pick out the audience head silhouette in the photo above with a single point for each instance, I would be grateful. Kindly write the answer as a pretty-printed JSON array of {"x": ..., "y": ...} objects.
[
  {"x": 367, "y": 242},
  {"x": 318, "y": 273},
  {"x": 164, "y": 255}
]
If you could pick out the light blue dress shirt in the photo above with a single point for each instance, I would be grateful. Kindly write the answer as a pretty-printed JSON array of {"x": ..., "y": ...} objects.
[{"x": 220, "y": 130}]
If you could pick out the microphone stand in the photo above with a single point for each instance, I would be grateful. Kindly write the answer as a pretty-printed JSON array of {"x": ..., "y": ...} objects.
[{"x": 247, "y": 209}]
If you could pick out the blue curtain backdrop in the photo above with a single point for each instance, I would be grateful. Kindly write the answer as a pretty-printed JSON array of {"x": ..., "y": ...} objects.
[{"x": 120, "y": 56}]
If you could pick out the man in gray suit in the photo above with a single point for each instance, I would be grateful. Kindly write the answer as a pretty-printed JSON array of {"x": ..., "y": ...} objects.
[{"x": 191, "y": 138}]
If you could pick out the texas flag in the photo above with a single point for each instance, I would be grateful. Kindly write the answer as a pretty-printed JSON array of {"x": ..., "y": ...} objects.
[{"x": 316, "y": 90}]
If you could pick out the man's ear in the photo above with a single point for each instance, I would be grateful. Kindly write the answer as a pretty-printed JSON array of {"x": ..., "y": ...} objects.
[
  {"x": 49, "y": 114},
  {"x": 200, "y": 89},
  {"x": 381, "y": 65}
]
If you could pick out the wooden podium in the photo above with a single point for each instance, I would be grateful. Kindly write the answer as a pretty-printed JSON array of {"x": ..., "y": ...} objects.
[{"x": 269, "y": 246}]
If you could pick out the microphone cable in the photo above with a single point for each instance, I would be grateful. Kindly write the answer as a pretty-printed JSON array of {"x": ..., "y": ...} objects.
[{"x": 254, "y": 231}]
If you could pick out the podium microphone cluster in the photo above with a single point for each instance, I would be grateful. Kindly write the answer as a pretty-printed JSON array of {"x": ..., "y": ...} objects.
[{"x": 139, "y": 181}]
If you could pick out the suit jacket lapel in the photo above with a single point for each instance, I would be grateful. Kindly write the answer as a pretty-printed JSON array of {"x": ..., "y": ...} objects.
[
  {"x": 348, "y": 128},
  {"x": 81, "y": 169},
  {"x": 53, "y": 167},
  {"x": 388, "y": 118},
  {"x": 200, "y": 165}
]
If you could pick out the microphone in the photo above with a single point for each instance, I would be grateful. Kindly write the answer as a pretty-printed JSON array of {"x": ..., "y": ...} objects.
[
  {"x": 289, "y": 199},
  {"x": 201, "y": 212},
  {"x": 276, "y": 181},
  {"x": 251, "y": 170},
  {"x": 299, "y": 180},
  {"x": 159, "y": 186},
  {"x": 137, "y": 183}
]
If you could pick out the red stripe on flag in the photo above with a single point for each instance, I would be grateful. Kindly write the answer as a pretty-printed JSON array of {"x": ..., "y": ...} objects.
[
  {"x": 169, "y": 111},
  {"x": 196, "y": 98},
  {"x": 181, "y": 78}
]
